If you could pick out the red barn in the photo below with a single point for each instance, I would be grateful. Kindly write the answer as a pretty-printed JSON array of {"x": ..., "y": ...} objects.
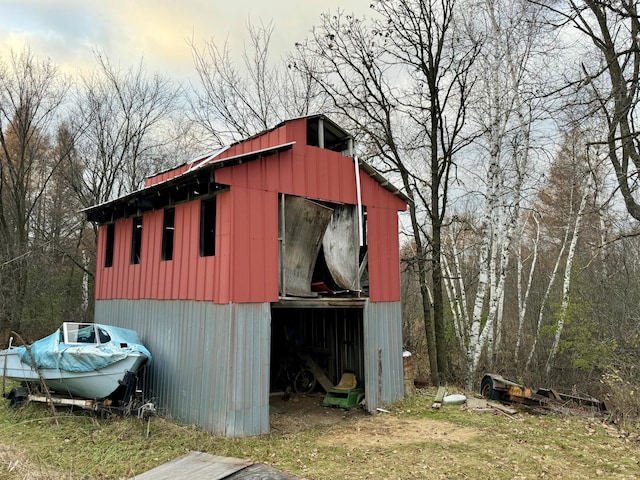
[{"x": 274, "y": 244}]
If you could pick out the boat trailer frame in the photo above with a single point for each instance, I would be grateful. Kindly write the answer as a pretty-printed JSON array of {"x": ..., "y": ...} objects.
[
  {"x": 496, "y": 387},
  {"x": 127, "y": 400}
]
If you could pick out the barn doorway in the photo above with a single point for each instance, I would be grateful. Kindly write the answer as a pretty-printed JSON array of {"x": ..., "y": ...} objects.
[{"x": 314, "y": 335}]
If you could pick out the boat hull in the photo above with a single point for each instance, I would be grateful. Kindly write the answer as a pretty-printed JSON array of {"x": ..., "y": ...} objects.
[{"x": 95, "y": 384}]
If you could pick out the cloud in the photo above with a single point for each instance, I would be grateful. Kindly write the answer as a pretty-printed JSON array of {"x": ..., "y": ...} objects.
[{"x": 68, "y": 31}]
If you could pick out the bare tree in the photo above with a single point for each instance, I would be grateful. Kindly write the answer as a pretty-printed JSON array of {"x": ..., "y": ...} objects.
[
  {"x": 612, "y": 79},
  {"x": 31, "y": 94},
  {"x": 402, "y": 82},
  {"x": 234, "y": 102},
  {"x": 123, "y": 124}
]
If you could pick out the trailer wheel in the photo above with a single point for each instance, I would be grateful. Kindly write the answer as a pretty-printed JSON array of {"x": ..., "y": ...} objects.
[
  {"x": 17, "y": 396},
  {"x": 486, "y": 388}
]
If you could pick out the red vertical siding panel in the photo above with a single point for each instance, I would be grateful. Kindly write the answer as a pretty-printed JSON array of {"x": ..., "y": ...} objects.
[
  {"x": 310, "y": 172},
  {"x": 137, "y": 267},
  {"x": 177, "y": 270},
  {"x": 272, "y": 170},
  {"x": 241, "y": 254},
  {"x": 258, "y": 178},
  {"x": 154, "y": 253},
  {"x": 152, "y": 263},
  {"x": 172, "y": 287},
  {"x": 376, "y": 251},
  {"x": 347, "y": 174},
  {"x": 193, "y": 248},
  {"x": 298, "y": 186},
  {"x": 127, "y": 268},
  {"x": 159, "y": 278},
  {"x": 297, "y": 131},
  {"x": 136, "y": 282},
  {"x": 121, "y": 258},
  {"x": 287, "y": 169},
  {"x": 147, "y": 259},
  {"x": 166, "y": 269},
  {"x": 255, "y": 272},
  {"x": 193, "y": 254},
  {"x": 100, "y": 276},
  {"x": 384, "y": 255},
  {"x": 200, "y": 270},
  {"x": 118, "y": 263},
  {"x": 323, "y": 178},
  {"x": 219, "y": 286},
  {"x": 166, "y": 285},
  {"x": 254, "y": 266},
  {"x": 270, "y": 248},
  {"x": 187, "y": 237},
  {"x": 374, "y": 194},
  {"x": 262, "y": 141}
]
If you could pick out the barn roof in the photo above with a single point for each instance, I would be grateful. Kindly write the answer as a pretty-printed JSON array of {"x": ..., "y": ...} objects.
[{"x": 198, "y": 180}]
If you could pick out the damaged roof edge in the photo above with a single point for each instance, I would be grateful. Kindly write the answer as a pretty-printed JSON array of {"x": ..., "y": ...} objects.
[
  {"x": 93, "y": 213},
  {"x": 384, "y": 183},
  {"x": 96, "y": 213}
]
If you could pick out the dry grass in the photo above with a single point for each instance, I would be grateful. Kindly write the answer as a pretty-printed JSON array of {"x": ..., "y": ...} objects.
[{"x": 412, "y": 442}]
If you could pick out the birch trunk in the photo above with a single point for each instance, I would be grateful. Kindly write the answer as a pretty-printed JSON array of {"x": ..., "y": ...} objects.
[
  {"x": 523, "y": 297},
  {"x": 562, "y": 317}
]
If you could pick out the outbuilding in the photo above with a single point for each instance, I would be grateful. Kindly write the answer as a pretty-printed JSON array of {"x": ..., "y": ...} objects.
[{"x": 280, "y": 243}]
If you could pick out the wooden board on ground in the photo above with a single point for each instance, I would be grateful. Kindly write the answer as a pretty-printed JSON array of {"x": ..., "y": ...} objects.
[
  {"x": 482, "y": 405},
  {"x": 322, "y": 378},
  {"x": 200, "y": 466}
]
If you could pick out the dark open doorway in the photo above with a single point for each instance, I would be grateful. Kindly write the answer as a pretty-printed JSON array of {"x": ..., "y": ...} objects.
[{"x": 331, "y": 338}]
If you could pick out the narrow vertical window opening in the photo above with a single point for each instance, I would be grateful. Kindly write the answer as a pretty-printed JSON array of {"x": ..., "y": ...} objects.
[
  {"x": 108, "y": 254},
  {"x": 168, "y": 229},
  {"x": 208, "y": 227},
  {"x": 136, "y": 240}
]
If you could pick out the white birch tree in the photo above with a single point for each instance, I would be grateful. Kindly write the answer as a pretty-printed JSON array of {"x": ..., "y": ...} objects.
[{"x": 506, "y": 110}]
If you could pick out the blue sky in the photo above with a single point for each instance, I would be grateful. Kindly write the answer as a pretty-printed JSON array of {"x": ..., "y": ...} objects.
[{"x": 67, "y": 31}]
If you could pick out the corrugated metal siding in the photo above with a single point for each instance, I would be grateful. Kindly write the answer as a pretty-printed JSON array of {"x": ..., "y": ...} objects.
[
  {"x": 210, "y": 362},
  {"x": 384, "y": 374}
]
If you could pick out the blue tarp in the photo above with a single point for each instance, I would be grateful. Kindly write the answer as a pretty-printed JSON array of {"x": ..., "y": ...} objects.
[{"x": 51, "y": 352}]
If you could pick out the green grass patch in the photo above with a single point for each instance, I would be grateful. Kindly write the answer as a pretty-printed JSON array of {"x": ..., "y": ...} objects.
[{"x": 411, "y": 442}]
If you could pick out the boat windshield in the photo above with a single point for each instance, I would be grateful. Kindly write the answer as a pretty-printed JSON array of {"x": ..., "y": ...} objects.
[{"x": 84, "y": 333}]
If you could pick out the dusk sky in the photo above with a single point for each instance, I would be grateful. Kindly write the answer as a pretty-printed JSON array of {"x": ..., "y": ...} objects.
[{"x": 67, "y": 31}]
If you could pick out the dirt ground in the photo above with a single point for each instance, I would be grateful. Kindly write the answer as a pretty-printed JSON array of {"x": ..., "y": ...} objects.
[{"x": 301, "y": 412}]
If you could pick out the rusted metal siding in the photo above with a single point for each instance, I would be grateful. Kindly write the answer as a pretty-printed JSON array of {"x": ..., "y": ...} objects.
[
  {"x": 210, "y": 362},
  {"x": 384, "y": 375}
]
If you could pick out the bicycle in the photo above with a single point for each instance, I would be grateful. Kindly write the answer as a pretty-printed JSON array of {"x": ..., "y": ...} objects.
[{"x": 294, "y": 376}]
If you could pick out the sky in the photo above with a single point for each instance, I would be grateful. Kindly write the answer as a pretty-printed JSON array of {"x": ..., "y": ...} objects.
[{"x": 68, "y": 31}]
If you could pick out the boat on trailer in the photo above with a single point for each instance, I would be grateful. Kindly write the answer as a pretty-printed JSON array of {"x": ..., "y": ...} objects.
[{"x": 80, "y": 360}]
